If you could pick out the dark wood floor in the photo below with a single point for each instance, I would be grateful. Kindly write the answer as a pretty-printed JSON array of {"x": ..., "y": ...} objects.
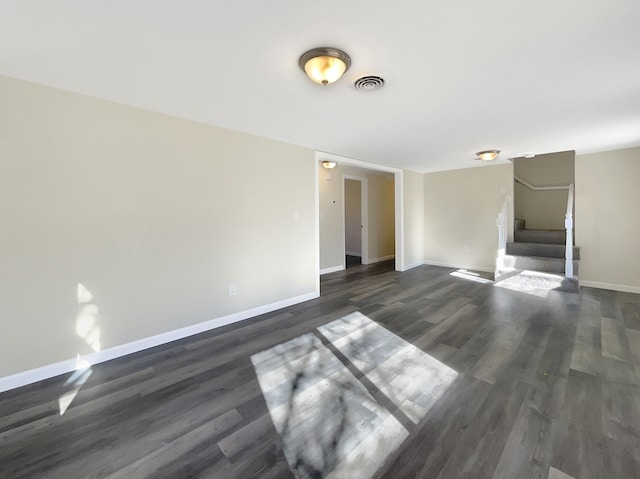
[
  {"x": 545, "y": 388},
  {"x": 352, "y": 261}
]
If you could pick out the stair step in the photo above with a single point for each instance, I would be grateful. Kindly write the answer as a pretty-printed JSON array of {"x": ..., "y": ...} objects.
[
  {"x": 541, "y": 249},
  {"x": 538, "y": 263},
  {"x": 541, "y": 236},
  {"x": 536, "y": 282},
  {"x": 519, "y": 224}
]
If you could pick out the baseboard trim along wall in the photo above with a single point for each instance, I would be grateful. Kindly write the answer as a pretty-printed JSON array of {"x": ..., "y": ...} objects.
[
  {"x": 353, "y": 253},
  {"x": 485, "y": 269},
  {"x": 615, "y": 287},
  {"x": 407, "y": 267},
  {"x": 51, "y": 370},
  {"x": 383, "y": 258},
  {"x": 332, "y": 269}
]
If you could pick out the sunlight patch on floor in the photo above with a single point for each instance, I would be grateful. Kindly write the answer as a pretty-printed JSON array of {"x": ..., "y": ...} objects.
[
  {"x": 88, "y": 329},
  {"x": 77, "y": 379},
  {"x": 535, "y": 283},
  {"x": 329, "y": 421},
  {"x": 470, "y": 275},
  {"x": 409, "y": 377}
]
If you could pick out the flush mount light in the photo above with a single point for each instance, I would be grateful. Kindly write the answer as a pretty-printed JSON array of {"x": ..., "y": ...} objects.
[
  {"x": 329, "y": 164},
  {"x": 324, "y": 65},
  {"x": 487, "y": 155}
]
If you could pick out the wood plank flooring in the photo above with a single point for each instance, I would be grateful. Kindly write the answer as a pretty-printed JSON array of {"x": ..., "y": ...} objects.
[{"x": 542, "y": 387}]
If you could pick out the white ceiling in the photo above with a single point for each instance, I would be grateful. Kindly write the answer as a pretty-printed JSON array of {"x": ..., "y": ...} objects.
[{"x": 461, "y": 76}]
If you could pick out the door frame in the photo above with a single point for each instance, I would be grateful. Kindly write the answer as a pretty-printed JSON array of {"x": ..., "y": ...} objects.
[
  {"x": 399, "y": 205},
  {"x": 364, "y": 217}
]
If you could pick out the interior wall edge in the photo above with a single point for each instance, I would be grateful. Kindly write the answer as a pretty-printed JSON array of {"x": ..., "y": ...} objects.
[
  {"x": 332, "y": 269},
  {"x": 407, "y": 267}
]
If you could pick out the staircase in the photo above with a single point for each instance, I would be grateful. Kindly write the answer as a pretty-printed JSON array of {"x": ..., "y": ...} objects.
[{"x": 536, "y": 260}]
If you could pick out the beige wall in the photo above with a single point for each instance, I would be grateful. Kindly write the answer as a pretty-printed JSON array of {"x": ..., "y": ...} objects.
[
  {"x": 608, "y": 219},
  {"x": 330, "y": 210},
  {"x": 380, "y": 217},
  {"x": 460, "y": 211},
  {"x": 154, "y": 215},
  {"x": 413, "y": 193},
  {"x": 543, "y": 209}
]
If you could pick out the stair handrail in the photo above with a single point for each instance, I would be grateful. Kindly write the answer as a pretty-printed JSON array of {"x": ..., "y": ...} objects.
[
  {"x": 539, "y": 188},
  {"x": 568, "y": 224}
]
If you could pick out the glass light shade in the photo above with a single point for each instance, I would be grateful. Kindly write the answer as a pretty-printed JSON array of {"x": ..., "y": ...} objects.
[
  {"x": 488, "y": 155},
  {"x": 329, "y": 164},
  {"x": 324, "y": 65},
  {"x": 325, "y": 69}
]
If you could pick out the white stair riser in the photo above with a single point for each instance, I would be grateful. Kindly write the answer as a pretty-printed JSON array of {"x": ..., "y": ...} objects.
[
  {"x": 535, "y": 263},
  {"x": 541, "y": 249}
]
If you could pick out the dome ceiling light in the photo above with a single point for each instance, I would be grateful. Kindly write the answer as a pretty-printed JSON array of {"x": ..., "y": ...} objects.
[
  {"x": 487, "y": 155},
  {"x": 325, "y": 65}
]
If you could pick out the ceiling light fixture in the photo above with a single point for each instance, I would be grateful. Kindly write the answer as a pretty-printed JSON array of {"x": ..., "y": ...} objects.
[
  {"x": 487, "y": 155},
  {"x": 329, "y": 164},
  {"x": 324, "y": 65}
]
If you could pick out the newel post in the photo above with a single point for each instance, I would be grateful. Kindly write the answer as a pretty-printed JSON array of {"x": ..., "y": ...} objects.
[
  {"x": 568, "y": 224},
  {"x": 568, "y": 267}
]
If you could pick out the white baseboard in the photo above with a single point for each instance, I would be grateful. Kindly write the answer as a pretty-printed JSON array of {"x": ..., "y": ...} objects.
[
  {"x": 615, "y": 287},
  {"x": 352, "y": 253},
  {"x": 485, "y": 269},
  {"x": 332, "y": 269},
  {"x": 407, "y": 267},
  {"x": 66, "y": 366},
  {"x": 383, "y": 258}
]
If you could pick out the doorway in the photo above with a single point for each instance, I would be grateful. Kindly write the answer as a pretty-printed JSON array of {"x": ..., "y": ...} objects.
[
  {"x": 385, "y": 241},
  {"x": 353, "y": 222}
]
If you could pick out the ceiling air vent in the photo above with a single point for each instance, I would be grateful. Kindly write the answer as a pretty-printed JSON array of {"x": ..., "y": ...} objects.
[{"x": 369, "y": 83}]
